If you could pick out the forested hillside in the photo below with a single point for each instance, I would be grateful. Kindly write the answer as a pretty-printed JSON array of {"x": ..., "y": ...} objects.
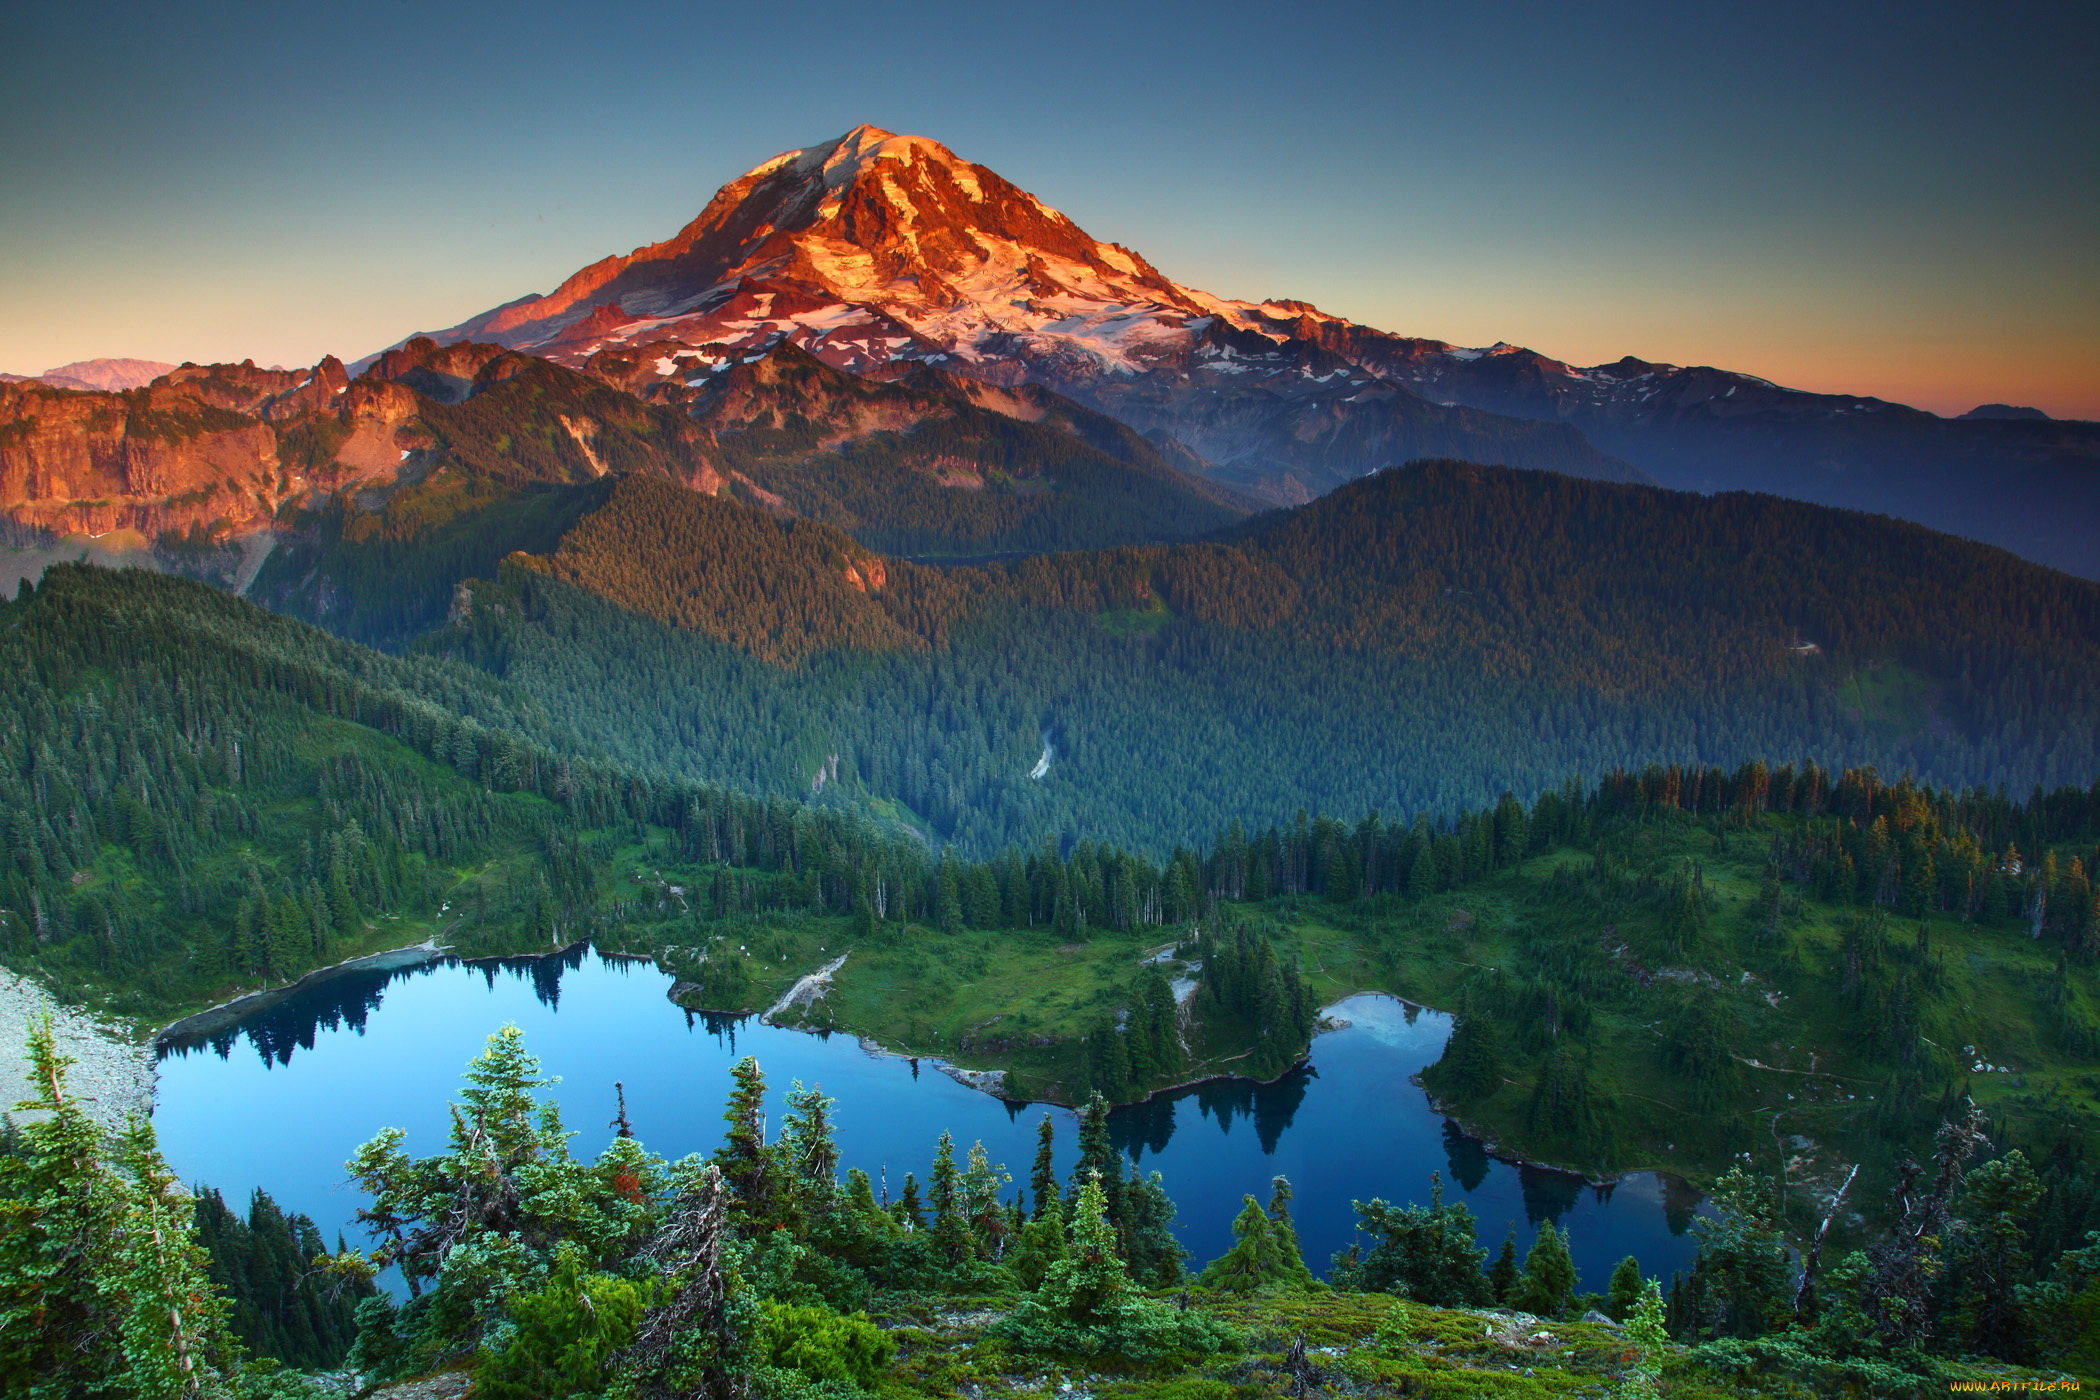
[
  {"x": 933, "y": 465},
  {"x": 201, "y": 798},
  {"x": 1672, "y": 967},
  {"x": 1418, "y": 641},
  {"x": 503, "y": 451}
]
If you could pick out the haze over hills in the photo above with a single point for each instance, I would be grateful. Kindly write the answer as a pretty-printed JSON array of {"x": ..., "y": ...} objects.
[
  {"x": 97, "y": 374},
  {"x": 877, "y": 250}
]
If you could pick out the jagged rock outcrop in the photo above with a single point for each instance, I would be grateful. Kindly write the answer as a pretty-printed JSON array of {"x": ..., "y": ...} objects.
[{"x": 205, "y": 449}]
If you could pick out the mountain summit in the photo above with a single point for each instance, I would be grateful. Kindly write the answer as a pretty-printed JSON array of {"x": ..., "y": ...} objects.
[
  {"x": 865, "y": 249},
  {"x": 876, "y": 251}
]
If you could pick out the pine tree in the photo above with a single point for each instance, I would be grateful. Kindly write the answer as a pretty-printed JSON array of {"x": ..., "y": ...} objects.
[
  {"x": 860, "y": 1192},
  {"x": 1624, "y": 1290},
  {"x": 982, "y": 1183},
  {"x": 60, "y": 1210},
  {"x": 1502, "y": 1279},
  {"x": 1097, "y": 1159},
  {"x": 1042, "y": 1181},
  {"x": 911, "y": 1213},
  {"x": 104, "y": 1290},
  {"x": 1287, "y": 1246},
  {"x": 1999, "y": 1201},
  {"x": 809, "y": 1146},
  {"x": 499, "y": 1101},
  {"x": 1146, "y": 1231},
  {"x": 1252, "y": 1262},
  {"x": 173, "y": 1328},
  {"x": 1647, "y": 1332},
  {"x": 1084, "y": 1288},
  {"x": 1740, "y": 1283},
  {"x": 951, "y": 1227},
  {"x": 1430, "y": 1253},
  {"x": 1041, "y": 1244},
  {"x": 1548, "y": 1284},
  {"x": 748, "y": 1165}
]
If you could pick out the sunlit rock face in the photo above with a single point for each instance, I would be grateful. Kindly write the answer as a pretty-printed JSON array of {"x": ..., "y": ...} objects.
[{"x": 876, "y": 253}]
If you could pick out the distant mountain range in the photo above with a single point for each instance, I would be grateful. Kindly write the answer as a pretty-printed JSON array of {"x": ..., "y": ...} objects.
[
  {"x": 97, "y": 374},
  {"x": 877, "y": 334},
  {"x": 877, "y": 251}
]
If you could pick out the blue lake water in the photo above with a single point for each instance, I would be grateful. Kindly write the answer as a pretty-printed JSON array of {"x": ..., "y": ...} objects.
[{"x": 280, "y": 1101}]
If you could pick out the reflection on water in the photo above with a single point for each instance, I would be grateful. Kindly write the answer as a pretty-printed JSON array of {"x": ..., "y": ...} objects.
[
  {"x": 1467, "y": 1156},
  {"x": 336, "y": 1061},
  {"x": 1149, "y": 1126}
]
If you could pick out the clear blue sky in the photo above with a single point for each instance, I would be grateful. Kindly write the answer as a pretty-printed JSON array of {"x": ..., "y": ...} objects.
[{"x": 1891, "y": 199}]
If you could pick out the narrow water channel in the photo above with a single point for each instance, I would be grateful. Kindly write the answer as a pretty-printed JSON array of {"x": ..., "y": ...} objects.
[{"x": 281, "y": 1099}]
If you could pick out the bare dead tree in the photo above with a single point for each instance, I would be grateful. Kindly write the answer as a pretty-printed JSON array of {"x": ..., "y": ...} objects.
[
  {"x": 1805, "y": 1300},
  {"x": 1906, "y": 1262},
  {"x": 683, "y": 1344}
]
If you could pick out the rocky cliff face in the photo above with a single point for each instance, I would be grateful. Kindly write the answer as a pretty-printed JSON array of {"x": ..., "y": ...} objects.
[{"x": 211, "y": 450}]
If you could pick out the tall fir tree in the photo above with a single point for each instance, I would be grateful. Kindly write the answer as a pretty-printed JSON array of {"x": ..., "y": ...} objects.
[{"x": 1042, "y": 1181}]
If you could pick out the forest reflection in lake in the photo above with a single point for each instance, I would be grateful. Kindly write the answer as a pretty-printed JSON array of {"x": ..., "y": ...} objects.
[{"x": 281, "y": 1098}]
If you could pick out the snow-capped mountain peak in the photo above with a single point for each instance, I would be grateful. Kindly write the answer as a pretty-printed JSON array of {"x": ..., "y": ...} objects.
[
  {"x": 866, "y": 249},
  {"x": 876, "y": 252}
]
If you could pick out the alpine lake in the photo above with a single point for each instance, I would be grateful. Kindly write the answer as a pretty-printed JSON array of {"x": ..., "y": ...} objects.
[{"x": 279, "y": 1099}]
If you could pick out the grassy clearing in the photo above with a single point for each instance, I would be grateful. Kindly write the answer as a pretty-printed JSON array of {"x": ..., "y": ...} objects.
[
  {"x": 1135, "y": 622},
  {"x": 1810, "y": 1084}
]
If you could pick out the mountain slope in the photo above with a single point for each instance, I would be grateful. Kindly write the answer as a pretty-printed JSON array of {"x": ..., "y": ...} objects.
[
  {"x": 1416, "y": 641},
  {"x": 362, "y": 502},
  {"x": 876, "y": 250},
  {"x": 928, "y": 463},
  {"x": 2026, "y": 483}
]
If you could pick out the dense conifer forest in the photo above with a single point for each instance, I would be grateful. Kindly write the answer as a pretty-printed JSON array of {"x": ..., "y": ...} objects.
[
  {"x": 686, "y": 726},
  {"x": 1416, "y": 642}
]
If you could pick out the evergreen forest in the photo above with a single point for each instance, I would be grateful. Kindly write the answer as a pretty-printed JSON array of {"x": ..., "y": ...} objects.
[
  {"x": 1744, "y": 839},
  {"x": 1420, "y": 641}
]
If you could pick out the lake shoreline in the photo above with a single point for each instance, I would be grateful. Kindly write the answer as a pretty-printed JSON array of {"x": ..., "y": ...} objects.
[
  {"x": 344, "y": 1059},
  {"x": 215, "y": 1018},
  {"x": 1489, "y": 1144},
  {"x": 990, "y": 1082}
]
